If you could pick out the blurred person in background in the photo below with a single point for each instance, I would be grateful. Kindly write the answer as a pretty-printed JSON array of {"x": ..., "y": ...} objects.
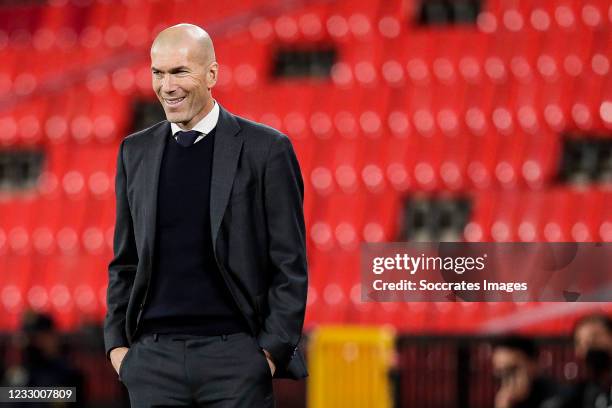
[
  {"x": 43, "y": 361},
  {"x": 207, "y": 287},
  {"x": 593, "y": 346},
  {"x": 521, "y": 383}
]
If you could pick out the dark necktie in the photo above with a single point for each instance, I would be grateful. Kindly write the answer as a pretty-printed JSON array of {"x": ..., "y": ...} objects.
[{"x": 187, "y": 138}]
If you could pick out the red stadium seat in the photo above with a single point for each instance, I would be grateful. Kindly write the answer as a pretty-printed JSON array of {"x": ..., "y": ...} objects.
[{"x": 477, "y": 111}]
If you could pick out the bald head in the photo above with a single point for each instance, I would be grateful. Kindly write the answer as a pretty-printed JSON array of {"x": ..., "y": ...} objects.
[
  {"x": 189, "y": 39},
  {"x": 184, "y": 72}
]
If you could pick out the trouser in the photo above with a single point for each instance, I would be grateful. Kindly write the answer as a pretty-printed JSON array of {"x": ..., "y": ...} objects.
[{"x": 167, "y": 370}]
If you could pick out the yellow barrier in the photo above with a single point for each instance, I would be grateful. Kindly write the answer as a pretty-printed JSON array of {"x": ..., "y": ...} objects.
[{"x": 349, "y": 367}]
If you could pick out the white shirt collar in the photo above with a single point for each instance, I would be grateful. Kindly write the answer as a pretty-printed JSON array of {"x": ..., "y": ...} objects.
[{"x": 205, "y": 125}]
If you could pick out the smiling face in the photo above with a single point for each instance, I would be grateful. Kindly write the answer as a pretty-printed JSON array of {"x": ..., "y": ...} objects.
[{"x": 184, "y": 71}]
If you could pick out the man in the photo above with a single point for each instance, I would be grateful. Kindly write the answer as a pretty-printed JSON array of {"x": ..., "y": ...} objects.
[
  {"x": 593, "y": 345},
  {"x": 515, "y": 365},
  {"x": 207, "y": 287}
]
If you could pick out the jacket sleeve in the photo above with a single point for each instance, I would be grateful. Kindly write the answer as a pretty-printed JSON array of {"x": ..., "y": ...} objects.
[
  {"x": 286, "y": 297},
  {"x": 122, "y": 268}
]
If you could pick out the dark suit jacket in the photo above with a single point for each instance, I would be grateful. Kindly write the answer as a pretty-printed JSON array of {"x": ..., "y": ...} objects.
[{"x": 258, "y": 234}]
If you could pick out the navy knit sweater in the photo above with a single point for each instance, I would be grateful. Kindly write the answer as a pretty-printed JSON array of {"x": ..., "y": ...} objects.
[{"x": 188, "y": 294}]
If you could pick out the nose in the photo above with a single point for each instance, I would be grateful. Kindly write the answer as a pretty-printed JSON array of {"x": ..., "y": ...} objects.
[{"x": 168, "y": 85}]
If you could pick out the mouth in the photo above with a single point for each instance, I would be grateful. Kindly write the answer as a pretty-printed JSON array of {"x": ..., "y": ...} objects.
[{"x": 174, "y": 101}]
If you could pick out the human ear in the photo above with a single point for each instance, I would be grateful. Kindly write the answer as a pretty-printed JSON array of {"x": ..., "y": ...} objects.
[{"x": 211, "y": 74}]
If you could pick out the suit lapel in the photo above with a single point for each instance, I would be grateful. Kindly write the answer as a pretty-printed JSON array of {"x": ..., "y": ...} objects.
[
  {"x": 153, "y": 159},
  {"x": 228, "y": 144}
]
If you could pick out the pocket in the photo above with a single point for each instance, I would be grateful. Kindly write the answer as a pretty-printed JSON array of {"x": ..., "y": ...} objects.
[
  {"x": 265, "y": 363},
  {"x": 262, "y": 357},
  {"x": 123, "y": 363}
]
